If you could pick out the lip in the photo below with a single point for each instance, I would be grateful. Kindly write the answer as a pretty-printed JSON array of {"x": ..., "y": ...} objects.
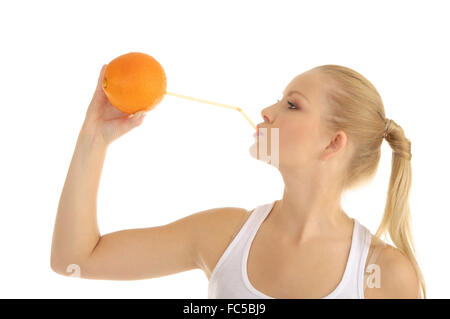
[{"x": 257, "y": 130}]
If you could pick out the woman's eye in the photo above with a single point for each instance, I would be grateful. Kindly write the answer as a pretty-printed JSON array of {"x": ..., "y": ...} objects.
[{"x": 292, "y": 106}]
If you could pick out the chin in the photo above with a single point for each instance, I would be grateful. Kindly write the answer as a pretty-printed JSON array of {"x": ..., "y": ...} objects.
[{"x": 253, "y": 150}]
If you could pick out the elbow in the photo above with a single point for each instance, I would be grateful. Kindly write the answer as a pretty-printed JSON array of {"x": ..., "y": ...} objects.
[
  {"x": 65, "y": 268},
  {"x": 54, "y": 264},
  {"x": 57, "y": 267},
  {"x": 69, "y": 264}
]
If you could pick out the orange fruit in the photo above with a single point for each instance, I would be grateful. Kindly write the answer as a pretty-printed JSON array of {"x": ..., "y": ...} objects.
[{"x": 133, "y": 82}]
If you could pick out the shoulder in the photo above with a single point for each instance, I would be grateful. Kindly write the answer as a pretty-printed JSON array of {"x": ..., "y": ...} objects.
[
  {"x": 397, "y": 276},
  {"x": 222, "y": 218},
  {"x": 215, "y": 230}
]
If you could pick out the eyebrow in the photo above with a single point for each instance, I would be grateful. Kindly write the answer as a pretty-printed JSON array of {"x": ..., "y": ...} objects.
[{"x": 294, "y": 91}]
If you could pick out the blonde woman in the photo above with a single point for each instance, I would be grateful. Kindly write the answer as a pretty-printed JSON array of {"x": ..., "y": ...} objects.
[{"x": 329, "y": 128}]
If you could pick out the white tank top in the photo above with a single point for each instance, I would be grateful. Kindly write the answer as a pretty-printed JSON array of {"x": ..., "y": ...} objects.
[{"x": 229, "y": 278}]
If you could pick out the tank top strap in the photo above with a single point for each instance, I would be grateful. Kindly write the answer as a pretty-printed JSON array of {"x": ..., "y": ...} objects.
[{"x": 375, "y": 254}]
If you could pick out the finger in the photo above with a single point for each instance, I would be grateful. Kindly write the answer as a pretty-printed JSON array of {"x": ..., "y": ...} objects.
[
  {"x": 100, "y": 78},
  {"x": 126, "y": 124},
  {"x": 99, "y": 95},
  {"x": 137, "y": 115},
  {"x": 136, "y": 118}
]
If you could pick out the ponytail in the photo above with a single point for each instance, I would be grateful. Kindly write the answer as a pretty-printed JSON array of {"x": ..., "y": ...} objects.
[{"x": 397, "y": 216}]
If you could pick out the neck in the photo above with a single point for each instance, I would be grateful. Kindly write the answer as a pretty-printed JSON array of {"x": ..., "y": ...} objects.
[{"x": 310, "y": 208}]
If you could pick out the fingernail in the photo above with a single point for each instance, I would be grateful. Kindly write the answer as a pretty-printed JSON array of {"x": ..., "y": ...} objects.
[{"x": 140, "y": 114}]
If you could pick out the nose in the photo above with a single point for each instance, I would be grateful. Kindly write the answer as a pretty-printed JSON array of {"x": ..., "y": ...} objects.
[
  {"x": 264, "y": 116},
  {"x": 267, "y": 118}
]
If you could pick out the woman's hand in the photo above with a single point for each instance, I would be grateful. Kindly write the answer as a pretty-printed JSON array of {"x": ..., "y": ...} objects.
[{"x": 103, "y": 121}]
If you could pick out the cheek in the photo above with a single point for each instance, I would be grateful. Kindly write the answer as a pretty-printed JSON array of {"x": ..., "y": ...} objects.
[
  {"x": 296, "y": 134},
  {"x": 297, "y": 140}
]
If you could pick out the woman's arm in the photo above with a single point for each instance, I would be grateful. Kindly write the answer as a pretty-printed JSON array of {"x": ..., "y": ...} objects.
[
  {"x": 132, "y": 253},
  {"x": 129, "y": 254},
  {"x": 76, "y": 231},
  {"x": 122, "y": 255}
]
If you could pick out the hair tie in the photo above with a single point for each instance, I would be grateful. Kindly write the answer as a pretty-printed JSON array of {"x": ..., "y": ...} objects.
[{"x": 387, "y": 128}]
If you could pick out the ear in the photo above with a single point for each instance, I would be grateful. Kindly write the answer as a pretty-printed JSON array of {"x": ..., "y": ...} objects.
[{"x": 336, "y": 145}]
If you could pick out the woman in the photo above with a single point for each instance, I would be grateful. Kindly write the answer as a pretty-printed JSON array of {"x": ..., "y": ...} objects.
[{"x": 326, "y": 134}]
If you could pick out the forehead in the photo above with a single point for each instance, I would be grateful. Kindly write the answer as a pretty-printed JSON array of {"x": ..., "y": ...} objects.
[{"x": 309, "y": 84}]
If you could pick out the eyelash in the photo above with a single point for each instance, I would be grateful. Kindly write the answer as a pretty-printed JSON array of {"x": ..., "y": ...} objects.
[{"x": 291, "y": 104}]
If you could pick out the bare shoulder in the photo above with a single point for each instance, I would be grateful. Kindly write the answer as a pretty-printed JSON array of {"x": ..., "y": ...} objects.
[
  {"x": 396, "y": 275},
  {"x": 217, "y": 228}
]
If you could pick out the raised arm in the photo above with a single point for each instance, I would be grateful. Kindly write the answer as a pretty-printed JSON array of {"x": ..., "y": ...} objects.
[
  {"x": 128, "y": 254},
  {"x": 75, "y": 231},
  {"x": 195, "y": 241}
]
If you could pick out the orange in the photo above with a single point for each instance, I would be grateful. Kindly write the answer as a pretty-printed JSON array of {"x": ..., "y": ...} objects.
[{"x": 133, "y": 82}]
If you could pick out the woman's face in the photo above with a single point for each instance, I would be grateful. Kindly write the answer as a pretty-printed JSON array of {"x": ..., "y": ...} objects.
[{"x": 300, "y": 140}]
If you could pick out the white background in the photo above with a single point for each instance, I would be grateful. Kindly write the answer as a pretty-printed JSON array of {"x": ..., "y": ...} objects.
[{"x": 190, "y": 156}]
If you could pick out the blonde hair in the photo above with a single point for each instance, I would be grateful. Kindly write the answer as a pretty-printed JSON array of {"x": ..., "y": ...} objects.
[{"x": 356, "y": 108}]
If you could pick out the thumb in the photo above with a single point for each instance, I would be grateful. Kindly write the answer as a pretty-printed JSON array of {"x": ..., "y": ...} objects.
[
  {"x": 134, "y": 120},
  {"x": 124, "y": 124},
  {"x": 138, "y": 116},
  {"x": 118, "y": 127}
]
